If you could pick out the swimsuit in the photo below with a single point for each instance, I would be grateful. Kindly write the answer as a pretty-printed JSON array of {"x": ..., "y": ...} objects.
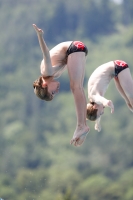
[
  {"x": 77, "y": 46},
  {"x": 119, "y": 66}
]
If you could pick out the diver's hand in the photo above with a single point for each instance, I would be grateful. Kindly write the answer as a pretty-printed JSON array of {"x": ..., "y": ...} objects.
[
  {"x": 38, "y": 30},
  {"x": 97, "y": 124},
  {"x": 98, "y": 127},
  {"x": 110, "y": 104}
]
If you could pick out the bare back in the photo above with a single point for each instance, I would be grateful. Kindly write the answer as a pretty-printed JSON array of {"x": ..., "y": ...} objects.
[{"x": 100, "y": 78}]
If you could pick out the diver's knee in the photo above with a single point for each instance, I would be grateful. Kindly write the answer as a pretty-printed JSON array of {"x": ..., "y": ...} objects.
[{"x": 75, "y": 87}]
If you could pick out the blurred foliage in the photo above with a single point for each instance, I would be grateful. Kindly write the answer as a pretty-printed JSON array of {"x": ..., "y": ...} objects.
[{"x": 36, "y": 159}]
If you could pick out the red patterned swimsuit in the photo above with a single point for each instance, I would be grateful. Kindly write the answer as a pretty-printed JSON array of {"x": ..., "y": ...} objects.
[
  {"x": 120, "y": 65},
  {"x": 77, "y": 46}
]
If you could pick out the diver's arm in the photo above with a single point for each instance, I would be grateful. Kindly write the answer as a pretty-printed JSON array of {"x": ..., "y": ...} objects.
[
  {"x": 105, "y": 102},
  {"x": 46, "y": 66},
  {"x": 97, "y": 124}
]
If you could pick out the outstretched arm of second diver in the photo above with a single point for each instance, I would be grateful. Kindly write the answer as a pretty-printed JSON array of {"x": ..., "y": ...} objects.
[
  {"x": 101, "y": 100},
  {"x": 97, "y": 124}
]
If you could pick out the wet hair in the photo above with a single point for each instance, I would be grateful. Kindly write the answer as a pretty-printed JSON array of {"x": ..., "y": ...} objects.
[
  {"x": 91, "y": 113},
  {"x": 41, "y": 93}
]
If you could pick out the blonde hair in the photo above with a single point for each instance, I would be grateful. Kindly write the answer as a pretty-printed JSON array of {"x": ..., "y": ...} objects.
[
  {"x": 41, "y": 93},
  {"x": 91, "y": 112}
]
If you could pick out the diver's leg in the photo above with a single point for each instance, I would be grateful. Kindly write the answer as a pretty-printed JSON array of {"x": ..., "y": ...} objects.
[
  {"x": 76, "y": 69},
  {"x": 126, "y": 82}
]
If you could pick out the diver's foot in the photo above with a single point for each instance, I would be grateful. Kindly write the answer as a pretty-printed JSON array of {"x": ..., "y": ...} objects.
[{"x": 79, "y": 137}]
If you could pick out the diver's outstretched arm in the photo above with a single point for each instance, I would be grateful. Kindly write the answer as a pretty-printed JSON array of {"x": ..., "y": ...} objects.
[
  {"x": 97, "y": 124},
  {"x": 46, "y": 67},
  {"x": 101, "y": 100}
]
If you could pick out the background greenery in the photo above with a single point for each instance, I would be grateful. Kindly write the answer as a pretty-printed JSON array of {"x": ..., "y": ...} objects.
[{"x": 36, "y": 159}]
